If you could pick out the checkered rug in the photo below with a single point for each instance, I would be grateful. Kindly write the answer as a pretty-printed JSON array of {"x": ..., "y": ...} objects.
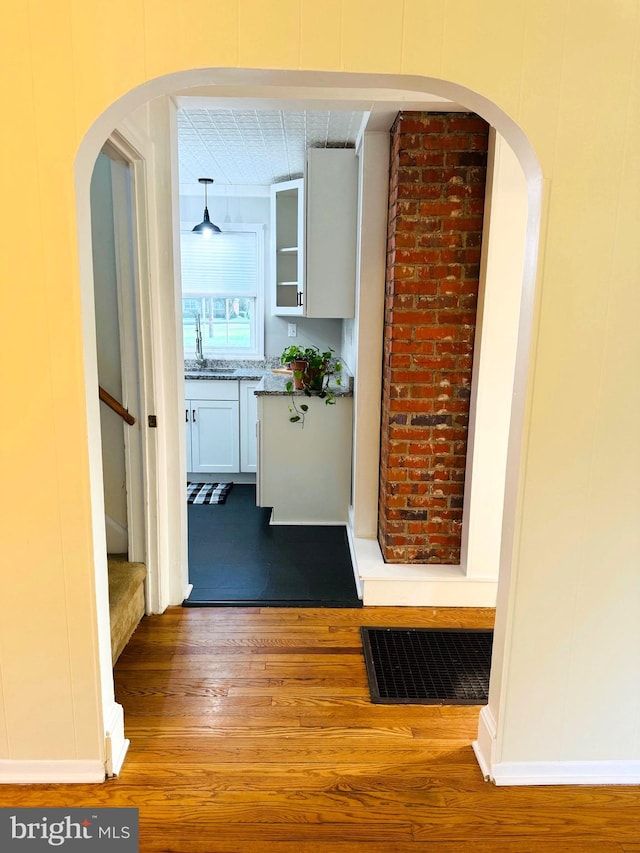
[{"x": 208, "y": 493}]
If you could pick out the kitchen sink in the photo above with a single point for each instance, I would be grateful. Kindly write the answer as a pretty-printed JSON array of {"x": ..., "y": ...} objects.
[{"x": 213, "y": 371}]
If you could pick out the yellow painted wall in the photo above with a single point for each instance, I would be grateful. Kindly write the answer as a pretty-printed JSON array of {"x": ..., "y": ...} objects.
[{"x": 567, "y": 72}]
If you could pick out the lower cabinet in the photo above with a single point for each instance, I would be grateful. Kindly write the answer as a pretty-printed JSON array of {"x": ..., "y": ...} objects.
[
  {"x": 214, "y": 436},
  {"x": 220, "y": 426}
]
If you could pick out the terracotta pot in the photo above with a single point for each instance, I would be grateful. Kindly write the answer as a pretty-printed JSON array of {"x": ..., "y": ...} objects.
[
  {"x": 299, "y": 372},
  {"x": 310, "y": 378}
]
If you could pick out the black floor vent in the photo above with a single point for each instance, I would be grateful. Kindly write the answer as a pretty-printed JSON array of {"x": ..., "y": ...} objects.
[{"x": 420, "y": 666}]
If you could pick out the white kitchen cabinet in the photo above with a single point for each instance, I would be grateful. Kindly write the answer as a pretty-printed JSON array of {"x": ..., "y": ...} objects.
[
  {"x": 313, "y": 244},
  {"x": 287, "y": 246},
  {"x": 248, "y": 422},
  {"x": 214, "y": 436},
  {"x": 212, "y": 413},
  {"x": 330, "y": 232},
  {"x": 305, "y": 474},
  {"x": 221, "y": 418}
]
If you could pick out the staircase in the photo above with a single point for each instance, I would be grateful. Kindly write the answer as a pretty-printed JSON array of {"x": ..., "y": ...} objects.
[{"x": 126, "y": 600}]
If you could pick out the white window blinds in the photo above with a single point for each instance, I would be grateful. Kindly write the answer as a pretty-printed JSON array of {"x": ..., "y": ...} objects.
[{"x": 223, "y": 264}]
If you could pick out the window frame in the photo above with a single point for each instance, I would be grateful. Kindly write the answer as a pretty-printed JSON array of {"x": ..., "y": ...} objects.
[{"x": 230, "y": 353}]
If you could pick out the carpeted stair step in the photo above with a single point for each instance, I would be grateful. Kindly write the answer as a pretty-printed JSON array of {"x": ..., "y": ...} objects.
[{"x": 126, "y": 600}]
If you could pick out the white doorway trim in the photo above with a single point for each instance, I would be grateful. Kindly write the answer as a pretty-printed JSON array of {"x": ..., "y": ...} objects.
[
  {"x": 165, "y": 385},
  {"x": 137, "y": 375},
  {"x": 137, "y": 345},
  {"x": 127, "y": 283}
]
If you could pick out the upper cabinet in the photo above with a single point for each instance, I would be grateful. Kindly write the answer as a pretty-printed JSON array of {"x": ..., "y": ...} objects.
[
  {"x": 287, "y": 246},
  {"x": 313, "y": 243}
]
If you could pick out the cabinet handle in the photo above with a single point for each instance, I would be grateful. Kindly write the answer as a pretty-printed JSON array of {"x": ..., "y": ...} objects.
[
  {"x": 186, "y": 416},
  {"x": 193, "y": 413}
]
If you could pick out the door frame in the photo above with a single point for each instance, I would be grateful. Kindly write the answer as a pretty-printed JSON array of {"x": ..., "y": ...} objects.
[
  {"x": 133, "y": 150},
  {"x": 136, "y": 344},
  {"x": 165, "y": 390},
  {"x": 127, "y": 289}
]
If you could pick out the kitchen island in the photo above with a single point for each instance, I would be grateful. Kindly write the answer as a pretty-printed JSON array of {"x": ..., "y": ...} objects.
[{"x": 304, "y": 471}]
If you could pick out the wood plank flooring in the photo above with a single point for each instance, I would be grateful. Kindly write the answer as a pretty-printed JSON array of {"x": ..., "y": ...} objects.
[{"x": 251, "y": 730}]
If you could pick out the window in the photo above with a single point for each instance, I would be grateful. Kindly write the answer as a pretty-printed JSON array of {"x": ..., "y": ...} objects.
[{"x": 222, "y": 286}]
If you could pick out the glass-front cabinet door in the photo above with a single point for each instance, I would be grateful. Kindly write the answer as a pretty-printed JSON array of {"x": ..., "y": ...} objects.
[{"x": 287, "y": 247}]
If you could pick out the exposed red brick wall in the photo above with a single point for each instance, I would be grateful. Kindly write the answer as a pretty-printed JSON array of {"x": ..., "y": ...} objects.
[{"x": 436, "y": 204}]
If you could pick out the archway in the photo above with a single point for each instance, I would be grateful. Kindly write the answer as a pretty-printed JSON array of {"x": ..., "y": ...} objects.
[{"x": 170, "y": 584}]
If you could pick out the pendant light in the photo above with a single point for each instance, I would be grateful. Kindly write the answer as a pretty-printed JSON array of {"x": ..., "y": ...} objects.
[{"x": 206, "y": 227}]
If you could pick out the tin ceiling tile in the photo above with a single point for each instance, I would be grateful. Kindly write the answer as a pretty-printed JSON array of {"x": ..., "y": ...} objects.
[{"x": 256, "y": 147}]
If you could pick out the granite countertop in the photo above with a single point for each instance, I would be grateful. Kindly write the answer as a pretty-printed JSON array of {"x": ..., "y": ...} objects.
[
  {"x": 271, "y": 383},
  {"x": 217, "y": 373},
  {"x": 274, "y": 384},
  {"x": 239, "y": 369}
]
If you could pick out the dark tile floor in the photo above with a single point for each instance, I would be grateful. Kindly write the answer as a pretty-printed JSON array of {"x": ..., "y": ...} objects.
[{"x": 237, "y": 558}]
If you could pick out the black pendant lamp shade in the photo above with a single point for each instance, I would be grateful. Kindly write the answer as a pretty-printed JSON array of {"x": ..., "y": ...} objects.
[{"x": 206, "y": 226}]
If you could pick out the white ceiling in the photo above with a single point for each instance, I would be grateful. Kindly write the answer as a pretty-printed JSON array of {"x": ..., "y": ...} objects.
[
  {"x": 257, "y": 147},
  {"x": 248, "y": 139}
]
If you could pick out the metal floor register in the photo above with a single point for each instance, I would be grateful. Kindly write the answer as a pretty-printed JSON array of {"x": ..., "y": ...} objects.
[{"x": 428, "y": 667}]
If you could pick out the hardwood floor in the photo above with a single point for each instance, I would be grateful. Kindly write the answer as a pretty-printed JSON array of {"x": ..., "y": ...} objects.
[{"x": 251, "y": 730}]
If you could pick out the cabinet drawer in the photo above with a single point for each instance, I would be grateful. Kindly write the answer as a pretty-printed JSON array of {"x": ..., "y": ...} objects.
[{"x": 212, "y": 389}]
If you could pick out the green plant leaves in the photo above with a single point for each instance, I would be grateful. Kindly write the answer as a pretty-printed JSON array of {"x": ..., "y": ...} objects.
[{"x": 317, "y": 370}]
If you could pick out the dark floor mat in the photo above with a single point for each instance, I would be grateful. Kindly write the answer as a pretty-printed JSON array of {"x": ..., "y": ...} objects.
[
  {"x": 236, "y": 558},
  {"x": 212, "y": 494},
  {"x": 427, "y": 667}
]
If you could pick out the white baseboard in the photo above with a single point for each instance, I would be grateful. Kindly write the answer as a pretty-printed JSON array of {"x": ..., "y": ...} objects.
[
  {"x": 566, "y": 773},
  {"x": 35, "y": 772},
  {"x": 546, "y": 772},
  {"x": 116, "y": 744},
  {"x": 413, "y": 585},
  {"x": 50, "y": 772},
  {"x": 293, "y": 521}
]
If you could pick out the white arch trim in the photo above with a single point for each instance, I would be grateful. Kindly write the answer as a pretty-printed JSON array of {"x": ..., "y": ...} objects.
[{"x": 300, "y": 85}]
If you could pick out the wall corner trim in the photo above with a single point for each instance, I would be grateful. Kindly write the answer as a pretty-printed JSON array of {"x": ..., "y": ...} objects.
[
  {"x": 116, "y": 745},
  {"x": 484, "y": 747}
]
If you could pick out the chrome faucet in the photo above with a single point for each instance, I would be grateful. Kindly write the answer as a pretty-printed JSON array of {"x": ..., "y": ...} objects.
[{"x": 199, "y": 354}]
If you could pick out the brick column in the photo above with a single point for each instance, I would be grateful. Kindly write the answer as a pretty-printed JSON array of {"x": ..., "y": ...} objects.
[{"x": 436, "y": 204}]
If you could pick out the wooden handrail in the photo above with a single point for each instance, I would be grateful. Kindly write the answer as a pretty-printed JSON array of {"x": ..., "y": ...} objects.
[{"x": 117, "y": 407}]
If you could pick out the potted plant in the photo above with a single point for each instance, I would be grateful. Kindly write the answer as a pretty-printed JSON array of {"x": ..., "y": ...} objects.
[{"x": 312, "y": 369}]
